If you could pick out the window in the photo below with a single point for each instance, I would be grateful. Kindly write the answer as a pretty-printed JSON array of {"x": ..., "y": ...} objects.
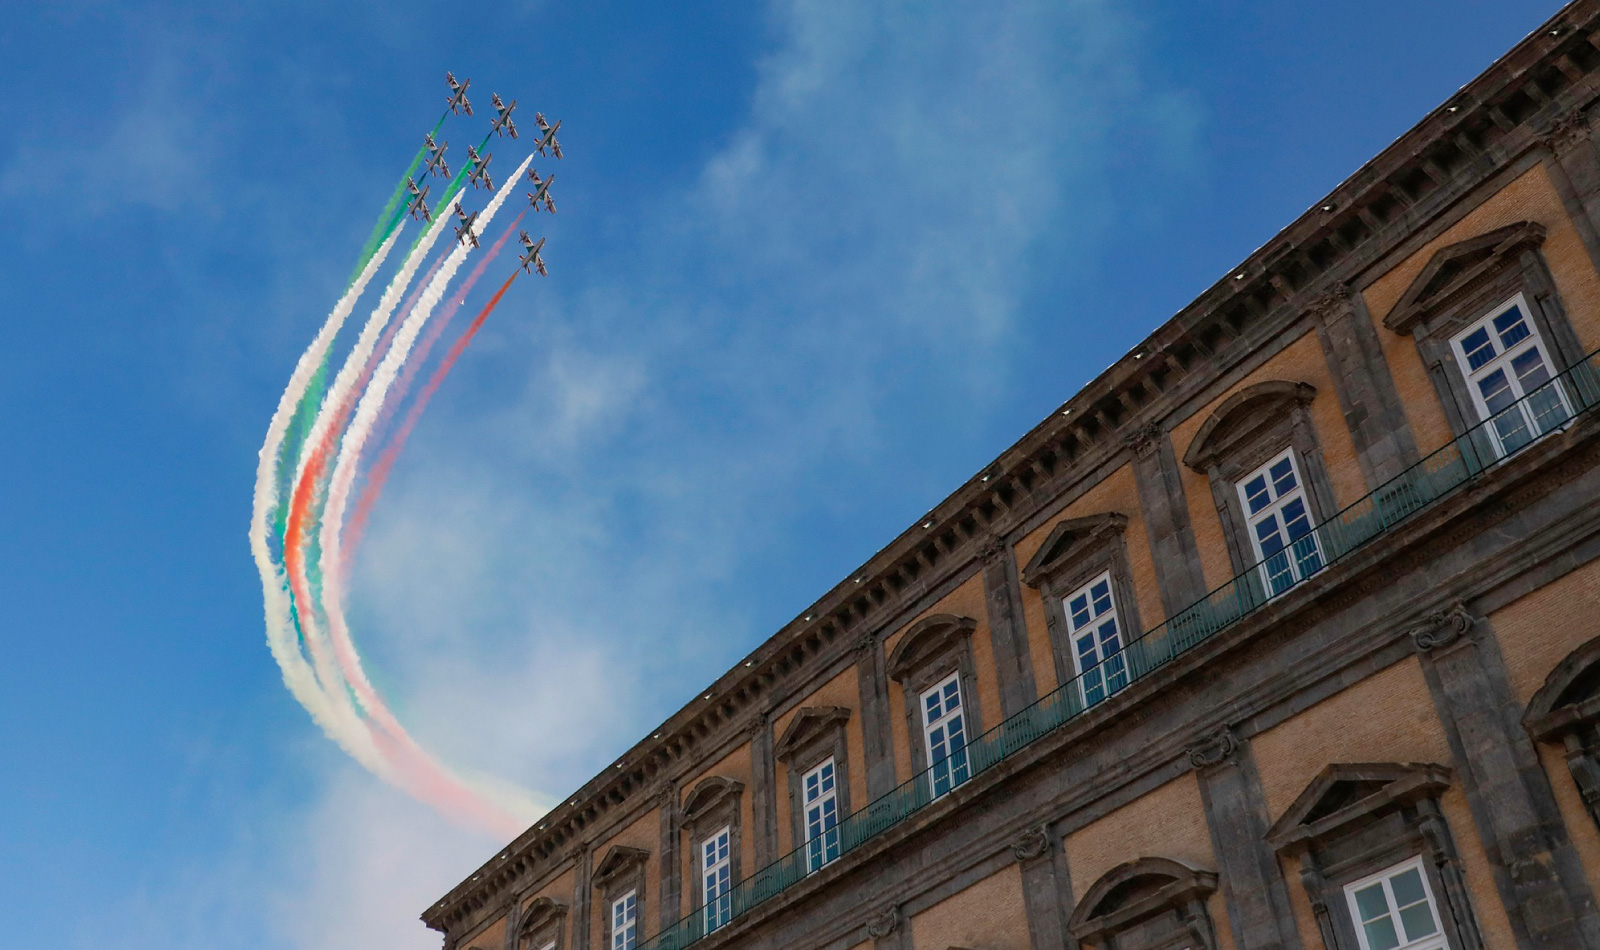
[
  {"x": 944, "y": 726},
  {"x": 716, "y": 867},
  {"x": 1279, "y": 521},
  {"x": 1394, "y": 910},
  {"x": 625, "y": 921},
  {"x": 1504, "y": 360},
  {"x": 1097, "y": 640},
  {"x": 820, "y": 789}
]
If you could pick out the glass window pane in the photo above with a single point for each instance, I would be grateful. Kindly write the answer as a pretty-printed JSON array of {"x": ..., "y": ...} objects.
[
  {"x": 1371, "y": 902},
  {"x": 1478, "y": 348},
  {"x": 1496, "y": 391},
  {"x": 1511, "y": 328},
  {"x": 1407, "y": 887},
  {"x": 1381, "y": 934},
  {"x": 1255, "y": 492},
  {"x": 1530, "y": 369},
  {"x": 1418, "y": 921},
  {"x": 1283, "y": 479}
]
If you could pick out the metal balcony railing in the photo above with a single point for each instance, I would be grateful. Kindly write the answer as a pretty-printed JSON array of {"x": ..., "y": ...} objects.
[{"x": 1548, "y": 408}]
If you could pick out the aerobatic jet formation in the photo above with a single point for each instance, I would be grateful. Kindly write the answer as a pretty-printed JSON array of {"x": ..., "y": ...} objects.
[
  {"x": 547, "y": 133},
  {"x": 436, "y": 165},
  {"x": 541, "y": 191},
  {"x": 479, "y": 165},
  {"x": 458, "y": 95},
  {"x": 502, "y": 120},
  {"x": 532, "y": 257},
  {"x": 464, "y": 231},
  {"x": 418, "y": 203}
]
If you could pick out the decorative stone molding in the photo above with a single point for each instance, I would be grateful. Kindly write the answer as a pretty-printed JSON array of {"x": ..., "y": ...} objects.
[
  {"x": 757, "y": 725},
  {"x": 1033, "y": 843},
  {"x": 992, "y": 549},
  {"x": 1567, "y": 131},
  {"x": 1332, "y": 302},
  {"x": 1215, "y": 749},
  {"x": 863, "y": 646},
  {"x": 884, "y": 923},
  {"x": 1442, "y": 627},
  {"x": 1143, "y": 439}
]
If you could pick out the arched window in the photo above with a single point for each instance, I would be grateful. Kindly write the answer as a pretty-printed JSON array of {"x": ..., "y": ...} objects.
[{"x": 1148, "y": 904}]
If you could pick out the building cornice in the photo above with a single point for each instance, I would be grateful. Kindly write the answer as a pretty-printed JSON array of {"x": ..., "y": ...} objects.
[{"x": 1533, "y": 98}]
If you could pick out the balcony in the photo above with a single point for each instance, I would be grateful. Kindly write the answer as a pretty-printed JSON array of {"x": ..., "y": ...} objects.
[{"x": 1547, "y": 409}]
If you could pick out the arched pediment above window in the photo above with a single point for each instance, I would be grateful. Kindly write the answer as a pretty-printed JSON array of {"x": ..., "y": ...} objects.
[
  {"x": 808, "y": 725},
  {"x": 708, "y": 794},
  {"x": 1348, "y": 793},
  {"x": 618, "y": 861},
  {"x": 1570, "y": 696},
  {"x": 1242, "y": 417},
  {"x": 538, "y": 915},
  {"x": 1147, "y": 894},
  {"x": 928, "y": 637},
  {"x": 1067, "y": 540},
  {"x": 1457, "y": 269}
]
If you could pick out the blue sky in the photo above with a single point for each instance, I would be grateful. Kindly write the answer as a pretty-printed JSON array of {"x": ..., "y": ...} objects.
[{"x": 816, "y": 263}]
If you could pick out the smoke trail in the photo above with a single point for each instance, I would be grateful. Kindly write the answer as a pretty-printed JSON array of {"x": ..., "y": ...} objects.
[
  {"x": 391, "y": 451},
  {"x": 297, "y": 675},
  {"x": 328, "y": 420},
  {"x": 389, "y": 218},
  {"x": 430, "y": 780}
]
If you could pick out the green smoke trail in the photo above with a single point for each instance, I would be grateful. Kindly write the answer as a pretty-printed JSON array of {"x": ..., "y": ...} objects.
[{"x": 392, "y": 211}]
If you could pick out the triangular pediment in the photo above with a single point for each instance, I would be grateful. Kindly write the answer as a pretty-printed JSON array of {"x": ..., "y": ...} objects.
[
  {"x": 810, "y": 723},
  {"x": 1345, "y": 792},
  {"x": 618, "y": 860},
  {"x": 1459, "y": 266},
  {"x": 1066, "y": 540}
]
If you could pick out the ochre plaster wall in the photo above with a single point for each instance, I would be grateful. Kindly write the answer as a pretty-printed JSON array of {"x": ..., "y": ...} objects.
[
  {"x": 1169, "y": 822},
  {"x": 843, "y": 690},
  {"x": 967, "y": 600},
  {"x": 1530, "y": 197},
  {"x": 645, "y": 834},
  {"x": 1118, "y": 493},
  {"x": 1300, "y": 362},
  {"x": 1387, "y": 717},
  {"x": 988, "y": 915},
  {"x": 492, "y": 937},
  {"x": 1537, "y": 631}
]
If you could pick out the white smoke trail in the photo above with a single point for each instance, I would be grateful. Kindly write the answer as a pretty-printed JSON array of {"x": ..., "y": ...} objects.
[
  {"x": 330, "y": 414},
  {"x": 297, "y": 675},
  {"x": 429, "y": 779}
]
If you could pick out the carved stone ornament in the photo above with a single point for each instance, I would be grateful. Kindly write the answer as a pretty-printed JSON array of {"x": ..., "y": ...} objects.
[
  {"x": 863, "y": 646},
  {"x": 667, "y": 795},
  {"x": 1442, "y": 627},
  {"x": 991, "y": 550},
  {"x": 885, "y": 923},
  {"x": 1143, "y": 439},
  {"x": 1567, "y": 131},
  {"x": 1331, "y": 303},
  {"x": 1213, "y": 750},
  {"x": 757, "y": 725},
  {"x": 1032, "y": 843}
]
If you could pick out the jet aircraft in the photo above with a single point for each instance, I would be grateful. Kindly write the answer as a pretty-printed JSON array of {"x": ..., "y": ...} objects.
[
  {"x": 541, "y": 191},
  {"x": 418, "y": 203},
  {"x": 436, "y": 165},
  {"x": 502, "y": 121},
  {"x": 464, "y": 231},
  {"x": 458, "y": 95},
  {"x": 532, "y": 257},
  {"x": 479, "y": 165},
  {"x": 547, "y": 134}
]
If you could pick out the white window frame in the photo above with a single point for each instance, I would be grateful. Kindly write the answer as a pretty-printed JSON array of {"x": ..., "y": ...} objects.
[
  {"x": 819, "y": 793},
  {"x": 1108, "y": 675},
  {"x": 945, "y": 724},
  {"x": 1294, "y": 565},
  {"x": 716, "y": 877},
  {"x": 625, "y": 921},
  {"x": 1513, "y": 427},
  {"x": 1434, "y": 941},
  {"x": 549, "y": 945}
]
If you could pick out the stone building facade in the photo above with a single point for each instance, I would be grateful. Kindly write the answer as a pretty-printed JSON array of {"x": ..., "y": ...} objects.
[{"x": 1283, "y": 633}]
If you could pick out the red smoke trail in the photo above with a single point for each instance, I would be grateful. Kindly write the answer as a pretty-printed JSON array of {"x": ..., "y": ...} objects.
[{"x": 380, "y": 471}]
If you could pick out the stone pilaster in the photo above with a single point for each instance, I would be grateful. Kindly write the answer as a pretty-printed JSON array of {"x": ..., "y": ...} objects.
[
  {"x": 582, "y": 891},
  {"x": 1365, "y": 387},
  {"x": 1536, "y": 868},
  {"x": 876, "y": 739},
  {"x": 1045, "y": 887},
  {"x": 1166, "y": 518},
  {"x": 671, "y": 864},
  {"x": 1259, "y": 912},
  {"x": 763, "y": 791},
  {"x": 1003, "y": 598}
]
